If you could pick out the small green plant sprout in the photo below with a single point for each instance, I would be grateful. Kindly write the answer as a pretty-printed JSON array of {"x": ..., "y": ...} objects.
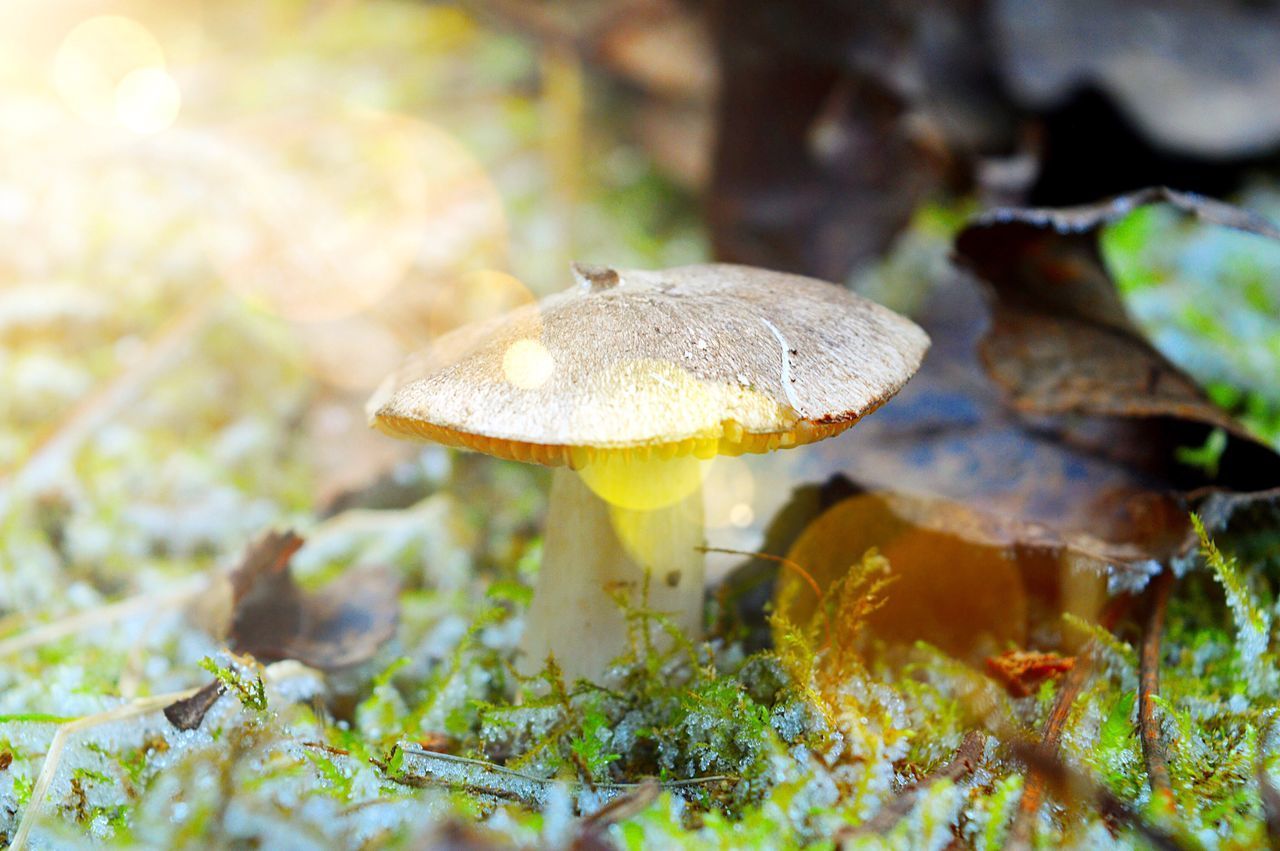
[
  {"x": 591, "y": 747},
  {"x": 1253, "y": 623},
  {"x": 1207, "y": 456},
  {"x": 243, "y": 678}
]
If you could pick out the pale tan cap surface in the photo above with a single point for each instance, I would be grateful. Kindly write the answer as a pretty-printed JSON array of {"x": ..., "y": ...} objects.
[{"x": 698, "y": 359}]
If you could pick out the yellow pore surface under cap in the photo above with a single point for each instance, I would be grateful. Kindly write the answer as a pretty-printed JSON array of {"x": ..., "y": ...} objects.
[{"x": 732, "y": 440}]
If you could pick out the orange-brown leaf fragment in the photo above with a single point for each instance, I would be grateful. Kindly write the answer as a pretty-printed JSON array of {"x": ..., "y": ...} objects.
[
  {"x": 1022, "y": 670},
  {"x": 956, "y": 581},
  {"x": 437, "y": 742}
]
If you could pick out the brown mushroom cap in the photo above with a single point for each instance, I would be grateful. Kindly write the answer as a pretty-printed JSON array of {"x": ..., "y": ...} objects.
[{"x": 698, "y": 359}]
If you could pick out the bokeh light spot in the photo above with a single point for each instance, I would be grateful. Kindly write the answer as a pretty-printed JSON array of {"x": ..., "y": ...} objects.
[
  {"x": 147, "y": 101},
  {"x": 95, "y": 59},
  {"x": 644, "y": 484},
  {"x": 730, "y": 489},
  {"x": 352, "y": 210},
  {"x": 527, "y": 364}
]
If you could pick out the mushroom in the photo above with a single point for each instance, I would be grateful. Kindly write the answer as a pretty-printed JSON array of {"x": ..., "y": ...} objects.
[{"x": 628, "y": 383}]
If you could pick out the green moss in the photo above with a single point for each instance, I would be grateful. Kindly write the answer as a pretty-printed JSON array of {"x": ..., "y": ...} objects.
[{"x": 242, "y": 680}]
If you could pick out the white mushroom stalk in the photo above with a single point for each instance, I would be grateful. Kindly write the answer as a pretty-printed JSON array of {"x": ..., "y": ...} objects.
[
  {"x": 631, "y": 380},
  {"x": 601, "y": 560}
]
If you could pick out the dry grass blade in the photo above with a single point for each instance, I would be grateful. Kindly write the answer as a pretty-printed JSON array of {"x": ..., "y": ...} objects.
[
  {"x": 102, "y": 616},
  {"x": 592, "y": 832},
  {"x": 57, "y": 447},
  {"x": 1154, "y": 751},
  {"x": 626, "y": 806},
  {"x": 967, "y": 758},
  {"x": 53, "y": 758},
  {"x": 1033, "y": 793}
]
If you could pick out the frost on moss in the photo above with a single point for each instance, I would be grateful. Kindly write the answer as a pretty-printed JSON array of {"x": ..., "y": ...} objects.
[{"x": 1253, "y": 623}]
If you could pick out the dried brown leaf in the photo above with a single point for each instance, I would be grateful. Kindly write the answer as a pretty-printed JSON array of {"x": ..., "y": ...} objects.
[
  {"x": 341, "y": 625},
  {"x": 1070, "y": 452},
  {"x": 270, "y": 618},
  {"x": 188, "y": 713},
  {"x": 1055, "y": 489},
  {"x": 1062, "y": 343}
]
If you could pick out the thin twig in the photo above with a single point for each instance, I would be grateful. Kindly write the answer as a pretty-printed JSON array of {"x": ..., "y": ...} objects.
[
  {"x": 1050, "y": 766},
  {"x": 419, "y": 767},
  {"x": 1020, "y": 832},
  {"x": 1269, "y": 795},
  {"x": 785, "y": 562},
  {"x": 1154, "y": 750},
  {"x": 967, "y": 757},
  {"x": 593, "y": 830}
]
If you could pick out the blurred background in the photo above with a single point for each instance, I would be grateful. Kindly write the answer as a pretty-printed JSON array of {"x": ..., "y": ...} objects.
[{"x": 222, "y": 224}]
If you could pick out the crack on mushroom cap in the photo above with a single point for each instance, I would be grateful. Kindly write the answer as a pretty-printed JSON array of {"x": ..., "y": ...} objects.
[{"x": 657, "y": 366}]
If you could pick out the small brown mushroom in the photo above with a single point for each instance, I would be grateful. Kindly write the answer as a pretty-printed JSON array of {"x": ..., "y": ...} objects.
[{"x": 627, "y": 382}]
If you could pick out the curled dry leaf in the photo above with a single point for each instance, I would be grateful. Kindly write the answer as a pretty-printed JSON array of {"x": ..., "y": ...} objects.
[
  {"x": 1036, "y": 448},
  {"x": 949, "y": 437},
  {"x": 341, "y": 625},
  {"x": 266, "y": 615},
  {"x": 1062, "y": 345}
]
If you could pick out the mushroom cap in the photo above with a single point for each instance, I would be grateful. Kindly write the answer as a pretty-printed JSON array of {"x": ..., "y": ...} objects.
[{"x": 704, "y": 360}]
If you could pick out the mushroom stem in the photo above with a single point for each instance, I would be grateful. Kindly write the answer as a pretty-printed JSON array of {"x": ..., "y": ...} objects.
[{"x": 592, "y": 548}]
